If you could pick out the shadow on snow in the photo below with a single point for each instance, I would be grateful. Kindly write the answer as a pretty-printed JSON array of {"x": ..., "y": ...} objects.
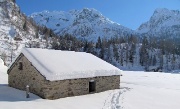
[{"x": 10, "y": 94}]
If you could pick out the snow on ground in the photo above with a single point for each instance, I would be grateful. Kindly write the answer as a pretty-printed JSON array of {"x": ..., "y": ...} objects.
[
  {"x": 149, "y": 90},
  {"x": 139, "y": 90},
  {"x": 3, "y": 75}
]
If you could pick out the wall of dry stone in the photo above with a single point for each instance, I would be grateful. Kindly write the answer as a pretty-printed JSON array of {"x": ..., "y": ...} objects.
[{"x": 55, "y": 89}]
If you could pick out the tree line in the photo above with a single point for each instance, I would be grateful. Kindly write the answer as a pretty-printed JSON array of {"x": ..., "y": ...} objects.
[{"x": 151, "y": 53}]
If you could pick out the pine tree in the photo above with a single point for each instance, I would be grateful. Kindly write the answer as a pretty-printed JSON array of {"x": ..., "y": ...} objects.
[
  {"x": 25, "y": 25},
  {"x": 132, "y": 53},
  {"x": 102, "y": 48},
  {"x": 122, "y": 57},
  {"x": 109, "y": 56},
  {"x": 115, "y": 51},
  {"x": 161, "y": 59},
  {"x": 167, "y": 62},
  {"x": 127, "y": 53},
  {"x": 99, "y": 43},
  {"x": 173, "y": 62},
  {"x": 102, "y": 53},
  {"x": 144, "y": 53},
  {"x": 154, "y": 60}
]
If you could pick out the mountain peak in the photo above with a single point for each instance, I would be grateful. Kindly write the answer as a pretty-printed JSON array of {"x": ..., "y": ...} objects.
[
  {"x": 159, "y": 10},
  {"x": 87, "y": 23},
  {"x": 87, "y": 9},
  {"x": 165, "y": 12},
  {"x": 90, "y": 10},
  {"x": 163, "y": 21}
]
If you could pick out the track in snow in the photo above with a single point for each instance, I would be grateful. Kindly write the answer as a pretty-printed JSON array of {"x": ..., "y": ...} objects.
[{"x": 113, "y": 100}]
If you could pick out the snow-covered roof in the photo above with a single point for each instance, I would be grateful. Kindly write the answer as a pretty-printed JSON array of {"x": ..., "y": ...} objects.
[{"x": 61, "y": 65}]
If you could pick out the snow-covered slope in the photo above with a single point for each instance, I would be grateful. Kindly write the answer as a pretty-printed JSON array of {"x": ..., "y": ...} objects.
[
  {"x": 3, "y": 73},
  {"x": 16, "y": 30},
  {"x": 13, "y": 22},
  {"x": 163, "y": 22},
  {"x": 85, "y": 23},
  {"x": 2, "y": 66}
]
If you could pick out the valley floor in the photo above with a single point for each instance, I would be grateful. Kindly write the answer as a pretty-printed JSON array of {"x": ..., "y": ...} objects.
[{"x": 139, "y": 90}]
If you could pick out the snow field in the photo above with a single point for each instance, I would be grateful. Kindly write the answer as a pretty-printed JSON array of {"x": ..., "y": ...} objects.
[{"x": 151, "y": 90}]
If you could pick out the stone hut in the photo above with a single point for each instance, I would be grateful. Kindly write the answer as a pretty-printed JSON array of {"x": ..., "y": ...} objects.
[{"x": 53, "y": 74}]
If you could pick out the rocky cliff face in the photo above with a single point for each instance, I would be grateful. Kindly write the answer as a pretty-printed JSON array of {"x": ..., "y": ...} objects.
[
  {"x": 13, "y": 22},
  {"x": 15, "y": 29}
]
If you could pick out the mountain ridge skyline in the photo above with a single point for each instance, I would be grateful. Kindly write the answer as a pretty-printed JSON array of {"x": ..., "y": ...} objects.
[
  {"x": 119, "y": 23},
  {"x": 128, "y": 13},
  {"x": 94, "y": 24}
]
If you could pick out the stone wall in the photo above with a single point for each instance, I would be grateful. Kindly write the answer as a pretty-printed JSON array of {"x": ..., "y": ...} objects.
[
  {"x": 28, "y": 76},
  {"x": 75, "y": 87},
  {"x": 55, "y": 89}
]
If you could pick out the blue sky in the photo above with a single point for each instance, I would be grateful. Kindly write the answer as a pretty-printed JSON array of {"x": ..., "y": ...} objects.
[{"x": 129, "y": 13}]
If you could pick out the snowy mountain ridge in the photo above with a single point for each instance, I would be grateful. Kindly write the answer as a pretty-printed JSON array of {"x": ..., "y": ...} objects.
[
  {"x": 86, "y": 24},
  {"x": 163, "y": 22},
  {"x": 89, "y": 24}
]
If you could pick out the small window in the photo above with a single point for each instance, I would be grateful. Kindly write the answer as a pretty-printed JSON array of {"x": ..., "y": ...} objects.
[
  {"x": 20, "y": 66},
  {"x": 92, "y": 86}
]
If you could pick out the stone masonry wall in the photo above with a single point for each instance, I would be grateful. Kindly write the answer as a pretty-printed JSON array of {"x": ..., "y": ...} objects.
[
  {"x": 56, "y": 89},
  {"x": 75, "y": 87},
  {"x": 28, "y": 76}
]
